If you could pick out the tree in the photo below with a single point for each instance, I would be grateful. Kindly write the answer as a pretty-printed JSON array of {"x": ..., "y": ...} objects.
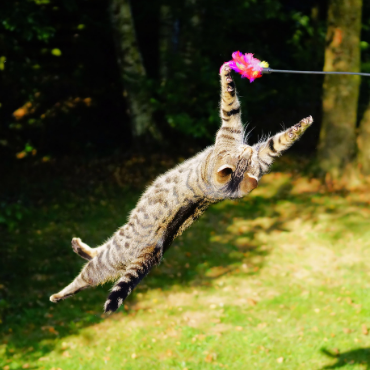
[
  {"x": 363, "y": 142},
  {"x": 340, "y": 93},
  {"x": 132, "y": 71}
]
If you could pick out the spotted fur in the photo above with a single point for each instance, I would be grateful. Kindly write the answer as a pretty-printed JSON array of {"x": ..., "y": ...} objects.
[{"x": 227, "y": 170}]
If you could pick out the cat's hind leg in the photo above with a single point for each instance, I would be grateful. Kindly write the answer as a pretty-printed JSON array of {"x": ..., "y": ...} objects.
[
  {"x": 83, "y": 250},
  {"x": 76, "y": 286},
  {"x": 106, "y": 266},
  {"x": 134, "y": 273}
]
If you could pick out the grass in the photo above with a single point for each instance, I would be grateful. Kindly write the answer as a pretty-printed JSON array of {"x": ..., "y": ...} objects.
[{"x": 277, "y": 280}]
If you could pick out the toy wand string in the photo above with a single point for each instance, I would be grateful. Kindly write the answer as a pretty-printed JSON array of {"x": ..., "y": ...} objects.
[
  {"x": 267, "y": 71},
  {"x": 252, "y": 68}
]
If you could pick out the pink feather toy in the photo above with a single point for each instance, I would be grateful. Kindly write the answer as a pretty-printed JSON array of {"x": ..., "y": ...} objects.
[
  {"x": 252, "y": 68},
  {"x": 248, "y": 66}
]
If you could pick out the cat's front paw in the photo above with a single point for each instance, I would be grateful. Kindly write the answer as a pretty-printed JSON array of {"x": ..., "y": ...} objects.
[
  {"x": 298, "y": 129},
  {"x": 225, "y": 69}
]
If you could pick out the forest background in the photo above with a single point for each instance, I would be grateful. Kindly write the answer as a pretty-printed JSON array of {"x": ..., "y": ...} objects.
[
  {"x": 92, "y": 78},
  {"x": 98, "y": 97}
]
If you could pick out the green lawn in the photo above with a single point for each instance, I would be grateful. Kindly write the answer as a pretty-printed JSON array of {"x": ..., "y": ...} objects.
[{"x": 279, "y": 280}]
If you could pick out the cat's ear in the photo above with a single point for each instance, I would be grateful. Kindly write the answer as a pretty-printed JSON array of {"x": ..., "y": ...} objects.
[
  {"x": 224, "y": 172},
  {"x": 248, "y": 184}
]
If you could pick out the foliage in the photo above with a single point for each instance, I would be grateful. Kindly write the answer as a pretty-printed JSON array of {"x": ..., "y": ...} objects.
[
  {"x": 59, "y": 86},
  {"x": 61, "y": 92},
  {"x": 189, "y": 95},
  {"x": 11, "y": 215},
  {"x": 25, "y": 19}
]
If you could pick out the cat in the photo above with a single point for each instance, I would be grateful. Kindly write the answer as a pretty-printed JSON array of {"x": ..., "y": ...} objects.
[{"x": 229, "y": 169}]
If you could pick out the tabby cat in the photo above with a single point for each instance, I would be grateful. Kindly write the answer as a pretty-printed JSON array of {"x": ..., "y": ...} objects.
[{"x": 230, "y": 169}]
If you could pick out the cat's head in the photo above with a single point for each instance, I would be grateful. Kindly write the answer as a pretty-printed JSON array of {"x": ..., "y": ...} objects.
[{"x": 237, "y": 174}]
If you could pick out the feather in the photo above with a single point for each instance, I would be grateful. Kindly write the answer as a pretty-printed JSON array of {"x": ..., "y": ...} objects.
[{"x": 248, "y": 66}]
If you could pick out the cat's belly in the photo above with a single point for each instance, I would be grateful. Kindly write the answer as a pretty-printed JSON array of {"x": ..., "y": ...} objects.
[{"x": 183, "y": 218}]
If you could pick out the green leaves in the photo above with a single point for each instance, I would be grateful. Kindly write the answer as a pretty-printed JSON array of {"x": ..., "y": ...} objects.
[
  {"x": 11, "y": 215},
  {"x": 42, "y": 2},
  {"x": 2, "y": 63},
  {"x": 27, "y": 20},
  {"x": 56, "y": 52}
]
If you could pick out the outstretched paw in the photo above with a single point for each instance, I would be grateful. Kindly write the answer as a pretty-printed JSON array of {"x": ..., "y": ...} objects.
[
  {"x": 306, "y": 121},
  {"x": 298, "y": 129},
  {"x": 227, "y": 84},
  {"x": 225, "y": 69}
]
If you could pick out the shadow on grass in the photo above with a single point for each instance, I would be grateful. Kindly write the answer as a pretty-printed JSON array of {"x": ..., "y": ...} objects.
[
  {"x": 37, "y": 260},
  {"x": 360, "y": 356}
]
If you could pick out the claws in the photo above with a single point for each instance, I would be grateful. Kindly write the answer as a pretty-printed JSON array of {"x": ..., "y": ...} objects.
[
  {"x": 227, "y": 69},
  {"x": 298, "y": 129},
  {"x": 306, "y": 121}
]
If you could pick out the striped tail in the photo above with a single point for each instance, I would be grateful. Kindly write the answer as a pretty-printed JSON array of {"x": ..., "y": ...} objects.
[{"x": 135, "y": 272}]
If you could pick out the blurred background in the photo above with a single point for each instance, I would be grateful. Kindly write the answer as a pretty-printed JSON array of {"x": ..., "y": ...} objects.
[
  {"x": 99, "y": 97},
  {"x": 95, "y": 78}
]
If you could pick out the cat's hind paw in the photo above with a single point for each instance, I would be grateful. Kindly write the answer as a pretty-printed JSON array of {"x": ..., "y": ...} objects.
[
  {"x": 56, "y": 298},
  {"x": 82, "y": 249}
]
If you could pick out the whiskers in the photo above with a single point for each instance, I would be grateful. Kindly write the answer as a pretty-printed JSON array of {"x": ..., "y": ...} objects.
[{"x": 246, "y": 133}]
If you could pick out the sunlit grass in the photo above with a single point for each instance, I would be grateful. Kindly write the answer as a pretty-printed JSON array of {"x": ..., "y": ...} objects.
[{"x": 277, "y": 280}]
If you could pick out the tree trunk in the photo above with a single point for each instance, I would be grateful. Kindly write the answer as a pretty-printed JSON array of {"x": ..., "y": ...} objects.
[
  {"x": 165, "y": 35},
  {"x": 363, "y": 142},
  {"x": 169, "y": 36},
  {"x": 340, "y": 93},
  {"x": 194, "y": 28},
  {"x": 132, "y": 72}
]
